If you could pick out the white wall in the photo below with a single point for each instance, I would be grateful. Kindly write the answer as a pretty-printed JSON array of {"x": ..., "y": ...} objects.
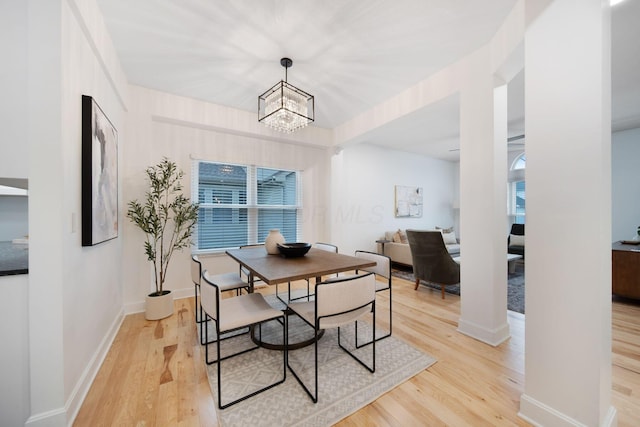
[
  {"x": 92, "y": 281},
  {"x": 14, "y": 221},
  {"x": 14, "y": 358},
  {"x": 363, "y": 179},
  {"x": 625, "y": 183},
  {"x": 13, "y": 86},
  {"x": 183, "y": 129},
  {"x": 75, "y": 293}
]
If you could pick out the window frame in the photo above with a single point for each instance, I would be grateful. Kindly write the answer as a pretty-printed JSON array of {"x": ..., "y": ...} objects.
[
  {"x": 518, "y": 164},
  {"x": 252, "y": 205},
  {"x": 513, "y": 209}
]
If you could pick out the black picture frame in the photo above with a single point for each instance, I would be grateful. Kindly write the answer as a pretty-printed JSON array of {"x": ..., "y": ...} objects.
[{"x": 99, "y": 175}]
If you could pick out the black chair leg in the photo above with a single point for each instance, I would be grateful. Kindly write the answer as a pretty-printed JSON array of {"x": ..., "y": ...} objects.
[
  {"x": 383, "y": 336},
  {"x": 197, "y": 308},
  {"x": 289, "y": 298},
  {"x": 314, "y": 397},
  {"x": 204, "y": 334},
  {"x": 219, "y": 359},
  {"x": 371, "y": 368}
]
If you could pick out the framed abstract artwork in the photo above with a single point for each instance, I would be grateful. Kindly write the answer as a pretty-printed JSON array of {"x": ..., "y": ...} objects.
[
  {"x": 408, "y": 202},
  {"x": 99, "y": 175}
]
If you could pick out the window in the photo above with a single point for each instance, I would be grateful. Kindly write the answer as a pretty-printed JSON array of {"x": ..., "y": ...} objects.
[
  {"x": 517, "y": 191},
  {"x": 239, "y": 204},
  {"x": 520, "y": 162},
  {"x": 518, "y": 201}
]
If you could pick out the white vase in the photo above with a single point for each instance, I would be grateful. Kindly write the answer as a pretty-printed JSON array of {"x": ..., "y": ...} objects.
[
  {"x": 271, "y": 242},
  {"x": 158, "y": 307}
]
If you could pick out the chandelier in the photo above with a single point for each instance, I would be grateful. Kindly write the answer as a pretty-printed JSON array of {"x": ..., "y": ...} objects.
[{"x": 284, "y": 107}]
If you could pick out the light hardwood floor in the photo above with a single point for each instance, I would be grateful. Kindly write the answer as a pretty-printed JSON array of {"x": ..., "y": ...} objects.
[{"x": 154, "y": 373}]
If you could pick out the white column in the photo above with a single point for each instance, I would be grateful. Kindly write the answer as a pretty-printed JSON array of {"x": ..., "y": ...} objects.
[
  {"x": 568, "y": 238},
  {"x": 483, "y": 210}
]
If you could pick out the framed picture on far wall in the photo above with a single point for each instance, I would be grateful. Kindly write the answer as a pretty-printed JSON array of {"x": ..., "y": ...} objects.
[
  {"x": 99, "y": 175},
  {"x": 408, "y": 202}
]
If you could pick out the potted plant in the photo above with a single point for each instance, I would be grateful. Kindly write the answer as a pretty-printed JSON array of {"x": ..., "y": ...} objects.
[{"x": 167, "y": 218}]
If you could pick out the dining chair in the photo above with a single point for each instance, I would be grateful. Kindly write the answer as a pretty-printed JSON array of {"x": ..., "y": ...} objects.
[
  {"x": 382, "y": 269},
  {"x": 232, "y": 314},
  {"x": 329, "y": 248},
  {"x": 226, "y": 282},
  {"x": 326, "y": 247},
  {"x": 338, "y": 301},
  {"x": 244, "y": 273},
  {"x": 318, "y": 245}
]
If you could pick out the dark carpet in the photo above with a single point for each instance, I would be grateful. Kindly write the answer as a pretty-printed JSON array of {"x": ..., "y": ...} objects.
[{"x": 515, "y": 285}]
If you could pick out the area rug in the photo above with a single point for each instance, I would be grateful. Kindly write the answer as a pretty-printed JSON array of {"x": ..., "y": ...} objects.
[
  {"x": 515, "y": 285},
  {"x": 344, "y": 385}
]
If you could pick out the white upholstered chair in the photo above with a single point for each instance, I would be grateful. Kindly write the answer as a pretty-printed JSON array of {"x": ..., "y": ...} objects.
[
  {"x": 322, "y": 246},
  {"x": 330, "y": 248},
  {"x": 338, "y": 302},
  {"x": 326, "y": 247},
  {"x": 244, "y": 272},
  {"x": 382, "y": 269},
  {"x": 232, "y": 314},
  {"x": 226, "y": 282}
]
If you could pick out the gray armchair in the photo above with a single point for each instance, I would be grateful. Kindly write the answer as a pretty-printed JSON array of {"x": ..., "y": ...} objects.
[{"x": 431, "y": 260}]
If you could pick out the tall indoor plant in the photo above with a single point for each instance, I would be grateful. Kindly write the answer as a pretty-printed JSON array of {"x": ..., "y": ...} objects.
[{"x": 167, "y": 218}]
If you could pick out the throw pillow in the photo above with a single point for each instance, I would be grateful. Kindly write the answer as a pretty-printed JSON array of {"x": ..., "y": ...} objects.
[
  {"x": 396, "y": 237},
  {"x": 403, "y": 237},
  {"x": 445, "y": 230},
  {"x": 516, "y": 240},
  {"x": 449, "y": 238}
]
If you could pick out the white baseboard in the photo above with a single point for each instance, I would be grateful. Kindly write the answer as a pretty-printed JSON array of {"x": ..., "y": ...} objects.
[
  {"x": 611, "y": 420},
  {"x": 82, "y": 387},
  {"x": 538, "y": 414},
  {"x": 133, "y": 307},
  {"x": 493, "y": 337},
  {"x": 56, "y": 417},
  {"x": 86, "y": 379},
  {"x": 66, "y": 415}
]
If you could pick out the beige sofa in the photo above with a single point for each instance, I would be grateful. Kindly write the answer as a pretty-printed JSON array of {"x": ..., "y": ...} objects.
[{"x": 401, "y": 253}]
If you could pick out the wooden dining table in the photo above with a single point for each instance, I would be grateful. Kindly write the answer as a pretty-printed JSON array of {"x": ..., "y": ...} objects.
[{"x": 276, "y": 269}]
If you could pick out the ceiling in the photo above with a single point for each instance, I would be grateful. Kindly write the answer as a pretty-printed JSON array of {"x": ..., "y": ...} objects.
[{"x": 351, "y": 55}]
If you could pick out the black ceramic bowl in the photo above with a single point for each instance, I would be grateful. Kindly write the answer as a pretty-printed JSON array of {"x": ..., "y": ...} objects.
[{"x": 293, "y": 250}]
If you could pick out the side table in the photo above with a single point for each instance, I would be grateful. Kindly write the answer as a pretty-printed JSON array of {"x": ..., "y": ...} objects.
[{"x": 382, "y": 243}]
